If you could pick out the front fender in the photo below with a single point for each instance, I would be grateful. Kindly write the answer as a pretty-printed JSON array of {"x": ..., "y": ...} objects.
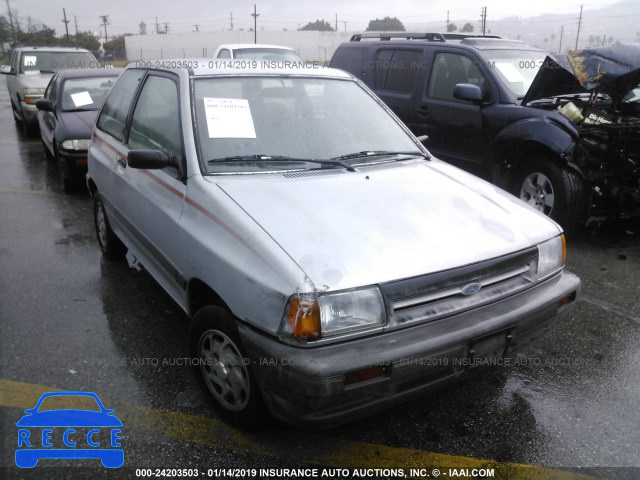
[{"x": 545, "y": 131}]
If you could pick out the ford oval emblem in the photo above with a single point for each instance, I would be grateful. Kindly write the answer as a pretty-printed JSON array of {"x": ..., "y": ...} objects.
[{"x": 471, "y": 288}]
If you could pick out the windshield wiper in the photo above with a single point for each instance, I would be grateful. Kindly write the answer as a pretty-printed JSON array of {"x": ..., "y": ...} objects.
[
  {"x": 379, "y": 153},
  {"x": 280, "y": 158}
]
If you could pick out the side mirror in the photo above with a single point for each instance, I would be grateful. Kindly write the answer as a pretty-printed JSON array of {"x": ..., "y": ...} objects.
[
  {"x": 468, "y": 92},
  {"x": 150, "y": 159},
  {"x": 44, "y": 105}
]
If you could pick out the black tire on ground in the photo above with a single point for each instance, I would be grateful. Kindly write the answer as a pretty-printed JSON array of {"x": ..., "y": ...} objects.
[
  {"x": 554, "y": 190},
  {"x": 15, "y": 113},
  {"x": 67, "y": 185},
  {"x": 224, "y": 369},
  {"x": 111, "y": 246}
]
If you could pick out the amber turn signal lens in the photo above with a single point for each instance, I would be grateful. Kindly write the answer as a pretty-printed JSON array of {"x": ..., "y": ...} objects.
[
  {"x": 303, "y": 317},
  {"x": 564, "y": 249}
]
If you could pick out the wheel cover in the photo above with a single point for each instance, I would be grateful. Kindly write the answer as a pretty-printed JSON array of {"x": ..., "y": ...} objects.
[
  {"x": 537, "y": 191},
  {"x": 224, "y": 370},
  {"x": 101, "y": 224}
]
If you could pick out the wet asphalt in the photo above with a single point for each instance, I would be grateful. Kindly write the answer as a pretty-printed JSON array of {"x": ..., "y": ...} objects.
[{"x": 71, "y": 320}]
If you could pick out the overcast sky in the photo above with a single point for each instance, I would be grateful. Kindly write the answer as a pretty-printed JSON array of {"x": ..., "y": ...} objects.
[{"x": 214, "y": 15}]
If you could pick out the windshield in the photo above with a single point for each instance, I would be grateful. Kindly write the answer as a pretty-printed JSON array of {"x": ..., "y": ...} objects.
[
  {"x": 516, "y": 68},
  {"x": 279, "y": 54},
  {"x": 291, "y": 118},
  {"x": 49, "y": 62},
  {"x": 85, "y": 93}
]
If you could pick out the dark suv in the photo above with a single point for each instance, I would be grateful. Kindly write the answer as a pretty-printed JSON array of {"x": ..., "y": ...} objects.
[{"x": 560, "y": 132}]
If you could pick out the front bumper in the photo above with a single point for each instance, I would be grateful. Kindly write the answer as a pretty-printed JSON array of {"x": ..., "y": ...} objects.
[
  {"x": 73, "y": 164},
  {"x": 306, "y": 386}
]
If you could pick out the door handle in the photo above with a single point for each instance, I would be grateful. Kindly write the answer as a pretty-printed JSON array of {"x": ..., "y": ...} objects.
[
  {"x": 423, "y": 111},
  {"x": 121, "y": 161}
]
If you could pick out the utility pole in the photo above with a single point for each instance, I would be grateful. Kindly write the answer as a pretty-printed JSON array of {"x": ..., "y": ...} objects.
[
  {"x": 483, "y": 18},
  {"x": 447, "y": 29},
  {"x": 255, "y": 16},
  {"x": 13, "y": 30},
  {"x": 66, "y": 24},
  {"x": 579, "y": 24},
  {"x": 336, "y": 22},
  {"x": 166, "y": 27},
  {"x": 231, "y": 22},
  {"x": 105, "y": 22},
  {"x": 75, "y": 20},
  {"x": 157, "y": 26},
  {"x": 561, "y": 33},
  {"x": 345, "y": 25},
  {"x": 197, "y": 25}
]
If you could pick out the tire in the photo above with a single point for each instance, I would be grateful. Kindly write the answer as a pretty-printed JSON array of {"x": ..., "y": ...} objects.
[
  {"x": 111, "y": 246},
  {"x": 16, "y": 118},
  {"x": 67, "y": 185},
  {"x": 224, "y": 369},
  {"x": 554, "y": 190}
]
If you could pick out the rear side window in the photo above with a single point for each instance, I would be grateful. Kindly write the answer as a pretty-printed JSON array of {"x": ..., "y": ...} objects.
[
  {"x": 155, "y": 123},
  {"x": 224, "y": 53},
  {"x": 349, "y": 59},
  {"x": 397, "y": 70},
  {"x": 113, "y": 117}
]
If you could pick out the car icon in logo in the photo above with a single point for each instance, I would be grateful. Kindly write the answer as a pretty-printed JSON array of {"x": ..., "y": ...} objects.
[{"x": 69, "y": 425}]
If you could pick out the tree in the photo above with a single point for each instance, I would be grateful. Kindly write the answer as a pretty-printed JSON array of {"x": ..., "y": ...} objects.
[
  {"x": 143, "y": 28},
  {"x": 467, "y": 28},
  {"x": 318, "y": 26},
  {"x": 452, "y": 27},
  {"x": 116, "y": 46},
  {"x": 86, "y": 40},
  {"x": 42, "y": 36},
  {"x": 387, "y": 24},
  {"x": 5, "y": 30}
]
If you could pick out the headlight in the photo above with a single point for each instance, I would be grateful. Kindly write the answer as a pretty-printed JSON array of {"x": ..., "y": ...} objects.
[
  {"x": 32, "y": 95},
  {"x": 552, "y": 256},
  {"x": 315, "y": 316},
  {"x": 76, "y": 144}
]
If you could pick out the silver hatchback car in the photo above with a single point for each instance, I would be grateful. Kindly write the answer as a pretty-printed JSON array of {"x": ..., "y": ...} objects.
[{"x": 330, "y": 265}]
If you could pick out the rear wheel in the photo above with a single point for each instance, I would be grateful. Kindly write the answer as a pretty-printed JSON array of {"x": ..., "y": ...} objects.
[
  {"x": 224, "y": 369},
  {"x": 111, "y": 246},
  {"x": 551, "y": 189}
]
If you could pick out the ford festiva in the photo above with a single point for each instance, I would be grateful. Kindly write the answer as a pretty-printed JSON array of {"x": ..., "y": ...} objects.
[
  {"x": 330, "y": 265},
  {"x": 66, "y": 114},
  {"x": 30, "y": 71},
  {"x": 561, "y": 132}
]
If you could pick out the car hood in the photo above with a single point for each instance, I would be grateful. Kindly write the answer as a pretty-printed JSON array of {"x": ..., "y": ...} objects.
[
  {"x": 35, "y": 79},
  {"x": 404, "y": 220},
  {"x": 69, "y": 418},
  {"x": 613, "y": 70},
  {"x": 77, "y": 125}
]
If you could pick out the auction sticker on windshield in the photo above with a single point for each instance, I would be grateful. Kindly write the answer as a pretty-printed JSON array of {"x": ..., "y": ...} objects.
[{"x": 229, "y": 118}]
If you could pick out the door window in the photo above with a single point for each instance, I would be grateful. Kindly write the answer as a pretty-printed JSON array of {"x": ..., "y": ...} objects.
[
  {"x": 155, "y": 123},
  {"x": 396, "y": 70},
  {"x": 113, "y": 117},
  {"x": 450, "y": 69}
]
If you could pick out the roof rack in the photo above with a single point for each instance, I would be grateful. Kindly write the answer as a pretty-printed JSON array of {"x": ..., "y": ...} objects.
[{"x": 431, "y": 37}]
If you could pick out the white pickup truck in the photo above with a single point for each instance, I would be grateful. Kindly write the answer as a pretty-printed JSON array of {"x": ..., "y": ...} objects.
[{"x": 30, "y": 71}]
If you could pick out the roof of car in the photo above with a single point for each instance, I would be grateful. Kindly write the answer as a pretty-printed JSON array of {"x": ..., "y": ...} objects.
[
  {"x": 89, "y": 72},
  {"x": 201, "y": 67},
  {"x": 234, "y": 46},
  {"x": 53, "y": 49}
]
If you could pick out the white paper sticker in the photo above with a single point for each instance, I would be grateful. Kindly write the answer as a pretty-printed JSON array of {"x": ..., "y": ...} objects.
[
  {"x": 229, "y": 118},
  {"x": 30, "y": 61},
  {"x": 82, "y": 98},
  {"x": 511, "y": 73}
]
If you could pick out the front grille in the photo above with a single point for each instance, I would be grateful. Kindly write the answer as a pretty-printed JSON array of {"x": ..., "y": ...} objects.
[
  {"x": 438, "y": 295},
  {"x": 313, "y": 173}
]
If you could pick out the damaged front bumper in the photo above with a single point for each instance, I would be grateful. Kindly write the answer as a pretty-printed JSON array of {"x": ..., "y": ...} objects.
[{"x": 315, "y": 387}]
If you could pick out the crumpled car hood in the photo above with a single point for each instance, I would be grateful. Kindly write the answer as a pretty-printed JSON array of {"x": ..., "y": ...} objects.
[
  {"x": 613, "y": 70},
  {"x": 364, "y": 228}
]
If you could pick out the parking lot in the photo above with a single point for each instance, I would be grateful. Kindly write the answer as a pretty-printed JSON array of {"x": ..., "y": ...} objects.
[{"x": 566, "y": 407}]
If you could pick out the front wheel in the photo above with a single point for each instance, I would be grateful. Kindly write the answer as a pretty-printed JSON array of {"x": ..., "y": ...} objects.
[
  {"x": 111, "y": 246},
  {"x": 224, "y": 369},
  {"x": 551, "y": 189}
]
